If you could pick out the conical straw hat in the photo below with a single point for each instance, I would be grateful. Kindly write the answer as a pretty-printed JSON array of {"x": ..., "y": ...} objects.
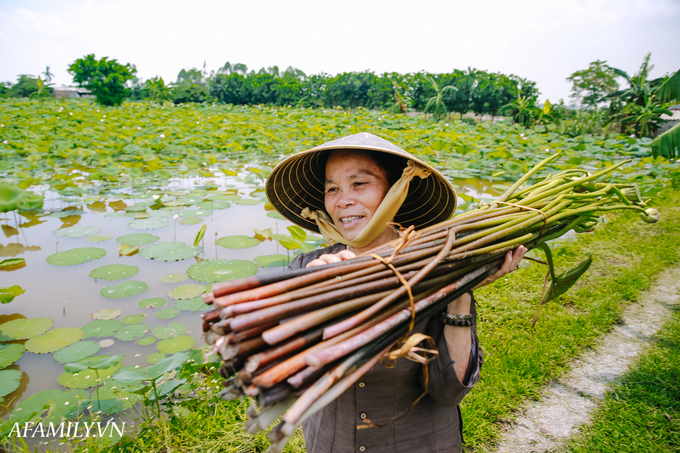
[{"x": 298, "y": 183}]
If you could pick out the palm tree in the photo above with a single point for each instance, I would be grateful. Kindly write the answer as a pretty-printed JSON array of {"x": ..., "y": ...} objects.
[
  {"x": 158, "y": 90},
  {"x": 639, "y": 85},
  {"x": 48, "y": 75},
  {"x": 436, "y": 102}
]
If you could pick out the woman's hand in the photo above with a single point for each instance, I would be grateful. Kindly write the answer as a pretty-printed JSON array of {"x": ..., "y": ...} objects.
[
  {"x": 512, "y": 259},
  {"x": 328, "y": 259}
]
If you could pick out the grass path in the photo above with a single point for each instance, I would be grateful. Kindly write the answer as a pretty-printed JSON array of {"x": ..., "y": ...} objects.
[{"x": 571, "y": 400}]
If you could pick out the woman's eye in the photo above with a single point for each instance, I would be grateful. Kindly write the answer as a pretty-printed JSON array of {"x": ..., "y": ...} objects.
[{"x": 332, "y": 189}]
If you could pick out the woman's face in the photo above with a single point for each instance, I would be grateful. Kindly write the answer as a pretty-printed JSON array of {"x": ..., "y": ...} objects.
[{"x": 355, "y": 187}]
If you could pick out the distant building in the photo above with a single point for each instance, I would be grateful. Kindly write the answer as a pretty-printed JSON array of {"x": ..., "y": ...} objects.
[
  {"x": 672, "y": 119},
  {"x": 71, "y": 92}
]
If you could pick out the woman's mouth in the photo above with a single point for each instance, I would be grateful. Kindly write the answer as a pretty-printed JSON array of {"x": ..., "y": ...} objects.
[{"x": 349, "y": 222}]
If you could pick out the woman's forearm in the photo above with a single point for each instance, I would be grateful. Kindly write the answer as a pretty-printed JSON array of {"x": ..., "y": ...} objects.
[{"x": 459, "y": 339}]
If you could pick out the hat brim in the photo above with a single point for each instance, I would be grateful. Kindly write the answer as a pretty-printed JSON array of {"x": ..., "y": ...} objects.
[{"x": 298, "y": 183}]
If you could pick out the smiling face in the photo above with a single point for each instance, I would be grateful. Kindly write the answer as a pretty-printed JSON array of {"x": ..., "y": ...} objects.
[{"x": 355, "y": 187}]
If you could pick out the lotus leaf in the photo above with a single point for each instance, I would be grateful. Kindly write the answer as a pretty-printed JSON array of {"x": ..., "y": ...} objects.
[
  {"x": 78, "y": 231},
  {"x": 175, "y": 344},
  {"x": 76, "y": 256},
  {"x": 111, "y": 401},
  {"x": 133, "y": 319},
  {"x": 11, "y": 262},
  {"x": 132, "y": 332},
  {"x": 10, "y": 381},
  {"x": 214, "y": 205},
  {"x": 152, "y": 223},
  {"x": 137, "y": 239},
  {"x": 123, "y": 289},
  {"x": 66, "y": 213},
  {"x": 155, "y": 357},
  {"x": 115, "y": 214},
  {"x": 99, "y": 238},
  {"x": 146, "y": 341},
  {"x": 193, "y": 213},
  {"x": 13, "y": 198},
  {"x": 276, "y": 215},
  {"x": 7, "y": 295},
  {"x": 106, "y": 343},
  {"x": 87, "y": 377},
  {"x": 248, "y": 201},
  {"x": 106, "y": 313},
  {"x": 195, "y": 304},
  {"x": 136, "y": 208},
  {"x": 67, "y": 404},
  {"x": 190, "y": 221},
  {"x": 127, "y": 250},
  {"x": 114, "y": 272},
  {"x": 272, "y": 260},
  {"x": 224, "y": 198},
  {"x": 10, "y": 353},
  {"x": 174, "y": 278},
  {"x": 160, "y": 213},
  {"x": 237, "y": 242},
  {"x": 221, "y": 270},
  {"x": 76, "y": 351},
  {"x": 53, "y": 340},
  {"x": 167, "y": 313},
  {"x": 170, "y": 251},
  {"x": 156, "y": 302},
  {"x": 188, "y": 291},
  {"x": 21, "y": 329},
  {"x": 101, "y": 329},
  {"x": 32, "y": 408},
  {"x": 171, "y": 330}
]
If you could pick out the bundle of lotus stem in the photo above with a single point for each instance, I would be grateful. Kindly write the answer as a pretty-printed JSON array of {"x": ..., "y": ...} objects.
[{"x": 294, "y": 341}]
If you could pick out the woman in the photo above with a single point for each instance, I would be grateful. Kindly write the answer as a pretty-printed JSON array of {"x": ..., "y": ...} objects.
[{"x": 351, "y": 190}]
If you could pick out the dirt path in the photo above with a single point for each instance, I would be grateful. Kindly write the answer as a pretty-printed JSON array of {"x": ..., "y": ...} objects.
[{"x": 545, "y": 425}]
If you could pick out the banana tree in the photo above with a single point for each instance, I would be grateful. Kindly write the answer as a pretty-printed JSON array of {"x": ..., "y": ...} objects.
[
  {"x": 436, "y": 103},
  {"x": 668, "y": 143}
]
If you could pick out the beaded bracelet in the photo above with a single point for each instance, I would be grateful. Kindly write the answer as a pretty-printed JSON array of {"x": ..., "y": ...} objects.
[{"x": 456, "y": 320}]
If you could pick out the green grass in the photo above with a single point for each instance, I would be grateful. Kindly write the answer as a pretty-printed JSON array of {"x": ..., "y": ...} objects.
[
  {"x": 642, "y": 412},
  {"x": 521, "y": 360}
]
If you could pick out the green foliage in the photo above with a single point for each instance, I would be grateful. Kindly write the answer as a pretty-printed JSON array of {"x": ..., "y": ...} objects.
[
  {"x": 28, "y": 86},
  {"x": 181, "y": 94},
  {"x": 13, "y": 198},
  {"x": 590, "y": 85},
  {"x": 523, "y": 110},
  {"x": 669, "y": 91},
  {"x": 436, "y": 103},
  {"x": 157, "y": 90},
  {"x": 667, "y": 144},
  {"x": 8, "y": 294},
  {"x": 105, "y": 78}
]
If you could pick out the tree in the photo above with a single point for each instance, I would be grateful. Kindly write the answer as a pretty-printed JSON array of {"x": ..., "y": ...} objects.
[
  {"x": 29, "y": 86},
  {"x": 157, "y": 90},
  {"x": 105, "y": 78},
  {"x": 436, "y": 103},
  {"x": 590, "y": 85},
  {"x": 48, "y": 75},
  {"x": 523, "y": 110}
]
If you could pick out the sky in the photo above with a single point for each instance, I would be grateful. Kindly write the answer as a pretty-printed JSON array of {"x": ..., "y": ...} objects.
[{"x": 541, "y": 40}]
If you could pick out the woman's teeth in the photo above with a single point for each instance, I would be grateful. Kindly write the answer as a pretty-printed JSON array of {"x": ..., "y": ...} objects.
[{"x": 350, "y": 219}]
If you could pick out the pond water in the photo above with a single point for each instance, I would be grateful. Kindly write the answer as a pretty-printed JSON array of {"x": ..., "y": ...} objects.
[{"x": 68, "y": 296}]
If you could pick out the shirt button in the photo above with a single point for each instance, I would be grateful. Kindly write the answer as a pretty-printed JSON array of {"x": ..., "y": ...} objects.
[
  {"x": 363, "y": 415},
  {"x": 362, "y": 384},
  {"x": 362, "y": 448}
]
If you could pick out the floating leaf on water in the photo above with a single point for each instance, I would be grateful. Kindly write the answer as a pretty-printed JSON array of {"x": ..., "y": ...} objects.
[
  {"x": 174, "y": 278},
  {"x": 8, "y": 294},
  {"x": 67, "y": 212},
  {"x": 35, "y": 404},
  {"x": 272, "y": 260},
  {"x": 114, "y": 272},
  {"x": 167, "y": 313},
  {"x": 297, "y": 233},
  {"x": 133, "y": 319},
  {"x": 88, "y": 377},
  {"x": 127, "y": 250},
  {"x": 115, "y": 214},
  {"x": 135, "y": 208},
  {"x": 214, "y": 205},
  {"x": 247, "y": 201},
  {"x": 170, "y": 251},
  {"x": 171, "y": 330},
  {"x": 160, "y": 213},
  {"x": 78, "y": 231},
  {"x": 155, "y": 357},
  {"x": 53, "y": 340},
  {"x": 195, "y": 304},
  {"x": 146, "y": 341},
  {"x": 106, "y": 313},
  {"x": 124, "y": 289},
  {"x": 156, "y": 302},
  {"x": 101, "y": 328},
  {"x": 10, "y": 353},
  {"x": 106, "y": 343},
  {"x": 76, "y": 351},
  {"x": 175, "y": 344},
  {"x": 11, "y": 263},
  {"x": 276, "y": 215},
  {"x": 221, "y": 270},
  {"x": 9, "y": 381},
  {"x": 237, "y": 242},
  {"x": 190, "y": 221},
  {"x": 111, "y": 401},
  {"x": 76, "y": 256},
  {"x": 21, "y": 329},
  {"x": 132, "y": 332},
  {"x": 137, "y": 239},
  {"x": 194, "y": 213},
  {"x": 99, "y": 238},
  {"x": 187, "y": 291},
  {"x": 152, "y": 223}
]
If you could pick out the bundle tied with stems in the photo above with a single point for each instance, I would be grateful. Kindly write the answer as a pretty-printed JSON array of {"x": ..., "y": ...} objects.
[{"x": 294, "y": 341}]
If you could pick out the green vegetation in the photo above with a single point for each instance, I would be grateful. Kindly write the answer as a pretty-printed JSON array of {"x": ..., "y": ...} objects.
[
  {"x": 642, "y": 413},
  {"x": 105, "y": 78}
]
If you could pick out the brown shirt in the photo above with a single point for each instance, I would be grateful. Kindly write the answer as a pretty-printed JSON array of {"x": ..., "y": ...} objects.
[{"x": 434, "y": 424}]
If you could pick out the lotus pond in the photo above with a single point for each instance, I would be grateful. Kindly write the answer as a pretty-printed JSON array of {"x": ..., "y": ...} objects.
[{"x": 116, "y": 220}]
